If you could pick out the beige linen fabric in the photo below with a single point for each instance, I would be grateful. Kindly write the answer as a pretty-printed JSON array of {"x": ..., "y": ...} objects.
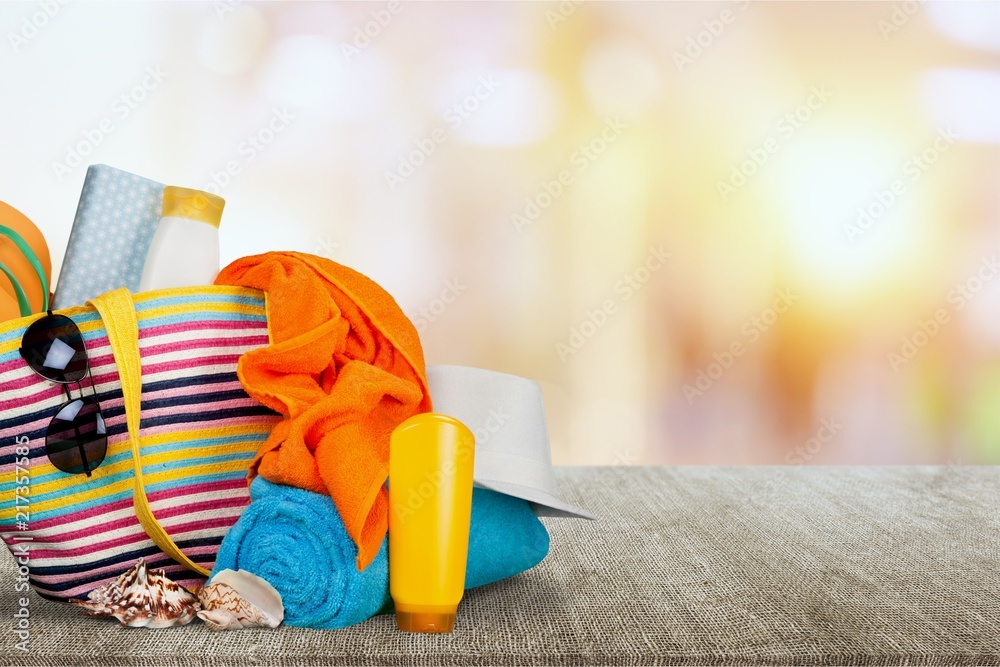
[{"x": 684, "y": 566}]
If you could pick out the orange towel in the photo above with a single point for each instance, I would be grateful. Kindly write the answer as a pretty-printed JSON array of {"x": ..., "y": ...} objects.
[{"x": 345, "y": 367}]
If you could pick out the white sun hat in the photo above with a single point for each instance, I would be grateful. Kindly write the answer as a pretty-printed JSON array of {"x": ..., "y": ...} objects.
[{"x": 507, "y": 416}]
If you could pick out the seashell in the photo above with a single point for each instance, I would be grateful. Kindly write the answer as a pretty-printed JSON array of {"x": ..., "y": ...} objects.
[
  {"x": 142, "y": 598},
  {"x": 236, "y": 599}
]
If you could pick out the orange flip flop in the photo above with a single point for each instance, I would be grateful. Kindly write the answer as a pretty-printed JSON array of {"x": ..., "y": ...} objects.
[
  {"x": 9, "y": 308},
  {"x": 25, "y": 265}
]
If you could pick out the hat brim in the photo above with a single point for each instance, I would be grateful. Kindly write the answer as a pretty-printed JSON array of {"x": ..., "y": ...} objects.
[{"x": 544, "y": 504}]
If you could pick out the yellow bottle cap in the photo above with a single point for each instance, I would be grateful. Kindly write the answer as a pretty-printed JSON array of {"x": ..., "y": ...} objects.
[
  {"x": 192, "y": 205},
  {"x": 429, "y": 618}
]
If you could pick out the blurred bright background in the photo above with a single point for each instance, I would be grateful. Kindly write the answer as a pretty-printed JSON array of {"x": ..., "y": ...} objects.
[{"x": 716, "y": 233}]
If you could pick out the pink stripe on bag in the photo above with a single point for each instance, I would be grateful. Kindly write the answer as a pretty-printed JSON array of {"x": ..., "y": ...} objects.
[
  {"x": 40, "y": 554},
  {"x": 191, "y": 364},
  {"x": 129, "y": 521},
  {"x": 182, "y": 531},
  {"x": 249, "y": 420},
  {"x": 202, "y": 344},
  {"x": 222, "y": 485},
  {"x": 28, "y": 379},
  {"x": 41, "y": 423},
  {"x": 42, "y": 397},
  {"x": 45, "y": 524},
  {"x": 55, "y": 394},
  {"x": 104, "y": 526},
  {"x": 48, "y": 390},
  {"x": 204, "y": 505},
  {"x": 229, "y": 325}
]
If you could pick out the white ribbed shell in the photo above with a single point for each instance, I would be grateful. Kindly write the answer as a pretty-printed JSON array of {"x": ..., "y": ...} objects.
[{"x": 239, "y": 599}]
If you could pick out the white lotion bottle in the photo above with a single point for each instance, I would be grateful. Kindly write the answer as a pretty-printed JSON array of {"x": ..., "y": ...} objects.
[{"x": 184, "y": 251}]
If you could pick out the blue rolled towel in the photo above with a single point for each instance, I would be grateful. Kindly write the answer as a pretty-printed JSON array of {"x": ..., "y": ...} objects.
[
  {"x": 505, "y": 538},
  {"x": 296, "y": 541}
]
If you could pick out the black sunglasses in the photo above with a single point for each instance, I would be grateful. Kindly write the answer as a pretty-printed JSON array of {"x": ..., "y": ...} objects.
[{"x": 76, "y": 439}]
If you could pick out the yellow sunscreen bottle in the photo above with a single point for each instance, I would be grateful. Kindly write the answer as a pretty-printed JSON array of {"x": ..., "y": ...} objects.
[{"x": 430, "y": 506}]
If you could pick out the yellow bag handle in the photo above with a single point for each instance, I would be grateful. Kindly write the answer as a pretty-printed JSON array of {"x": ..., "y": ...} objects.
[{"x": 118, "y": 313}]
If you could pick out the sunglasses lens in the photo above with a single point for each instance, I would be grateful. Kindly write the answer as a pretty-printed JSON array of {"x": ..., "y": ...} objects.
[
  {"x": 77, "y": 440},
  {"x": 53, "y": 347}
]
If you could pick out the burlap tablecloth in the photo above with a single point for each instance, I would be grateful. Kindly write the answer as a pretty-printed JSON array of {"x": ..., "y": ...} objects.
[{"x": 686, "y": 566}]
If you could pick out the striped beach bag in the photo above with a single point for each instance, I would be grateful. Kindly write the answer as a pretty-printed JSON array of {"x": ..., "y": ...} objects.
[{"x": 178, "y": 430}]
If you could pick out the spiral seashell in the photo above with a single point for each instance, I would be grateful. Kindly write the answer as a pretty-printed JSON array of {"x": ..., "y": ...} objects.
[
  {"x": 142, "y": 598},
  {"x": 239, "y": 599}
]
